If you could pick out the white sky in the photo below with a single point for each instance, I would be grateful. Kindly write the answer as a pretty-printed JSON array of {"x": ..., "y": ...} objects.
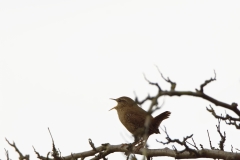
[{"x": 61, "y": 61}]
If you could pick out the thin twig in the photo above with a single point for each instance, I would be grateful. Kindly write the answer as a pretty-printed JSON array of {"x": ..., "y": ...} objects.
[{"x": 210, "y": 141}]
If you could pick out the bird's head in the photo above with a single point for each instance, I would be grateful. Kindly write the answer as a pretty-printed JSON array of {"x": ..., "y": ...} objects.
[{"x": 123, "y": 102}]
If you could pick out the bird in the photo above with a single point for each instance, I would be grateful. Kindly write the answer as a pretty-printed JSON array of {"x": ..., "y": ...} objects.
[{"x": 136, "y": 120}]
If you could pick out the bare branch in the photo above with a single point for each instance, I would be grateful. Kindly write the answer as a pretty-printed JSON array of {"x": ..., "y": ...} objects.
[
  {"x": 39, "y": 156},
  {"x": 232, "y": 107},
  {"x": 228, "y": 119},
  {"x": 190, "y": 144},
  {"x": 108, "y": 149},
  {"x": 210, "y": 141},
  {"x": 173, "y": 84},
  {"x": 172, "y": 92},
  {"x": 21, "y": 157},
  {"x": 55, "y": 153},
  {"x": 155, "y": 84},
  {"x": 73, "y": 158},
  {"x": 195, "y": 144},
  {"x": 143, "y": 101},
  {"x": 223, "y": 137},
  {"x": 91, "y": 144},
  {"x": 183, "y": 143},
  {"x": 7, "y": 155},
  {"x": 233, "y": 123},
  {"x": 207, "y": 82}
]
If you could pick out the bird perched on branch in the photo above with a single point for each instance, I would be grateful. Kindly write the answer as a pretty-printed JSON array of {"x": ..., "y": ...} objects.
[{"x": 136, "y": 120}]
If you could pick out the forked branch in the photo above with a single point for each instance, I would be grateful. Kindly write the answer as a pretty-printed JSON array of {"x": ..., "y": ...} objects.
[{"x": 198, "y": 93}]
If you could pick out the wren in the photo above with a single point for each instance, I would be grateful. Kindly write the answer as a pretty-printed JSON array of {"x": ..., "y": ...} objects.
[{"x": 136, "y": 120}]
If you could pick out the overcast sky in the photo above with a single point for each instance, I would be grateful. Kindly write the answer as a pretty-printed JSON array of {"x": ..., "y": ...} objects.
[{"x": 61, "y": 61}]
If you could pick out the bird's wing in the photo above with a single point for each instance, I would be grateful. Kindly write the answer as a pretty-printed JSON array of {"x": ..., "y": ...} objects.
[
  {"x": 135, "y": 119},
  {"x": 136, "y": 123}
]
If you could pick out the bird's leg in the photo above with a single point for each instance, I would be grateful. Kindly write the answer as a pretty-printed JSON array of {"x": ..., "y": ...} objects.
[
  {"x": 142, "y": 143},
  {"x": 130, "y": 146}
]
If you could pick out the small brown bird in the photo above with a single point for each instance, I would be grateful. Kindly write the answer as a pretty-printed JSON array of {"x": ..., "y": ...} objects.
[{"x": 136, "y": 120}]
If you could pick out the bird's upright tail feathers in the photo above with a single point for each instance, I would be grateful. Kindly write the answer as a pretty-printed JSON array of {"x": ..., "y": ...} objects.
[{"x": 158, "y": 119}]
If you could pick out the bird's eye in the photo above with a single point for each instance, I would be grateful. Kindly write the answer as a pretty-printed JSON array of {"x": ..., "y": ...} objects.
[{"x": 121, "y": 100}]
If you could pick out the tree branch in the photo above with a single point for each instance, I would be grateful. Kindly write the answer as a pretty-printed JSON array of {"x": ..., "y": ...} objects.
[
  {"x": 7, "y": 155},
  {"x": 21, "y": 157},
  {"x": 207, "y": 82},
  {"x": 108, "y": 149},
  {"x": 223, "y": 137},
  {"x": 228, "y": 119},
  {"x": 182, "y": 143},
  {"x": 200, "y": 94}
]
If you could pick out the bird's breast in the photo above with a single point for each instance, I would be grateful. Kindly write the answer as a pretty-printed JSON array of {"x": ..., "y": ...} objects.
[{"x": 121, "y": 115}]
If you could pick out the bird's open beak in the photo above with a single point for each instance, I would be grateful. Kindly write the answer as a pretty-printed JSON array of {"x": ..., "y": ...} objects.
[
  {"x": 113, "y": 107},
  {"x": 113, "y": 99}
]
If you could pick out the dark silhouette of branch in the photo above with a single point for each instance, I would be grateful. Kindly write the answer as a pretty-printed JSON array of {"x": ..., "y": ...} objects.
[
  {"x": 41, "y": 157},
  {"x": 210, "y": 142},
  {"x": 55, "y": 153},
  {"x": 199, "y": 93},
  {"x": 108, "y": 149},
  {"x": 194, "y": 144},
  {"x": 182, "y": 143},
  {"x": 223, "y": 137},
  {"x": 228, "y": 119},
  {"x": 91, "y": 144},
  {"x": 207, "y": 81},
  {"x": 21, "y": 157},
  {"x": 7, "y": 155},
  {"x": 173, "y": 84},
  {"x": 155, "y": 84}
]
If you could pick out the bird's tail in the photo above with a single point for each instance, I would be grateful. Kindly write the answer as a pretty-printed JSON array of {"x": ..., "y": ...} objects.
[{"x": 158, "y": 119}]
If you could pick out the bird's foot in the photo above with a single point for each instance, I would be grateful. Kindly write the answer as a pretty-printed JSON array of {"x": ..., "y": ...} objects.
[
  {"x": 139, "y": 145},
  {"x": 129, "y": 146}
]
